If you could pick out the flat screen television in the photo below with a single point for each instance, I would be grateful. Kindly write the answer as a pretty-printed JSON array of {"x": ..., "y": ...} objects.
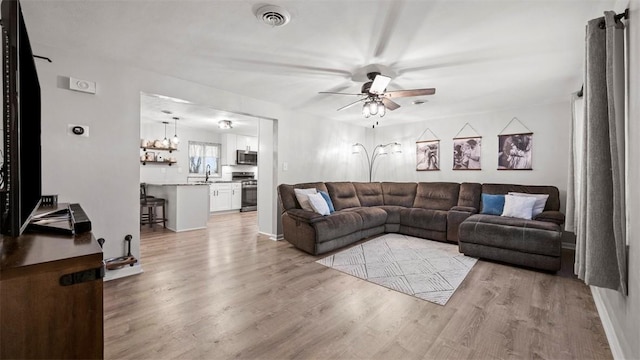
[{"x": 21, "y": 182}]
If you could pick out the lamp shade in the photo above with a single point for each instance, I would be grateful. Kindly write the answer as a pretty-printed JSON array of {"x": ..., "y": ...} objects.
[
  {"x": 373, "y": 107},
  {"x": 355, "y": 149},
  {"x": 365, "y": 110},
  {"x": 396, "y": 148},
  {"x": 382, "y": 110}
]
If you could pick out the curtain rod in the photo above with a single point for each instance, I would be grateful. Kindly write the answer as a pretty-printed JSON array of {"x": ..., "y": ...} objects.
[{"x": 625, "y": 14}]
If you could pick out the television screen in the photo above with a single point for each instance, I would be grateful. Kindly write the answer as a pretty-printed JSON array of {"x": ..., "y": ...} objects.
[{"x": 21, "y": 171}]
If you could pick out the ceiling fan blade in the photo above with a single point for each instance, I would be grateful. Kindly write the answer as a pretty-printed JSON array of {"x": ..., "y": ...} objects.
[
  {"x": 336, "y": 93},
  {"x": 407, "y": 93},
  {"x": 379, "y": 84},
  {"x": 390, "y": 105},
  {"x": 350, "y": 105}
]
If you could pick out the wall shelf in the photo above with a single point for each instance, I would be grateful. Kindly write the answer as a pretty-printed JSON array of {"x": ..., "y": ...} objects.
[
  {"x": 145, "y": 162},
  {"x": 145, "y": 148}
]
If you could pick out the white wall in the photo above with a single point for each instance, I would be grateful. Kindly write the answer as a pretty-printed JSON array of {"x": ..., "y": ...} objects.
[
  {"x": 621, "y": 315},
  {"x": 102, "y": 172},
  {"x": 550, "y": 125}
]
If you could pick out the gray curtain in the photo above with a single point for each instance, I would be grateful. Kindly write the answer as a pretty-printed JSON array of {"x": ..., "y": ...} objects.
[{"x": 601, "y": 258}]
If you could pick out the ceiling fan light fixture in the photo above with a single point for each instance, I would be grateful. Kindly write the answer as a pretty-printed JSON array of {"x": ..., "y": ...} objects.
[{"x": 224, "y": 124}]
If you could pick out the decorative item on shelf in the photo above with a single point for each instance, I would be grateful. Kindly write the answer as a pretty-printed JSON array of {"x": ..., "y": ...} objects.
[
  {"x": 380, "y": 149},
  {"x": 157, "y": 144},
  {"x": 514, "y": 149},
  {"x": 159, "y": 158},
  {"x": 175, "y": 140},
  {"x": 467, "y": 151},
  {"x": 428, "y": 153},
  {"x": 150, "y": 156},
  {"x": 144, "y": 143}
]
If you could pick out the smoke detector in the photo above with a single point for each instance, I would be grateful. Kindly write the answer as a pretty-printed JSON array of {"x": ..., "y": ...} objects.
[{"x": 273, "y": 15}]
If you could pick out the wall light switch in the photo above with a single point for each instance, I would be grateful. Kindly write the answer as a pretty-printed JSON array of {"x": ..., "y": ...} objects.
[
  {"x": 285, "y": 166},
  {"x": 82, "y": 85}
]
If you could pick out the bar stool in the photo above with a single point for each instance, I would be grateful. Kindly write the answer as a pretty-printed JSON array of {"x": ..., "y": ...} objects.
[{"x": 151, "y": 204}]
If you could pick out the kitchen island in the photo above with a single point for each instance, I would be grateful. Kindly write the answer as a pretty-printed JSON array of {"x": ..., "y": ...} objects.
[{"x": 187, "y": 205}]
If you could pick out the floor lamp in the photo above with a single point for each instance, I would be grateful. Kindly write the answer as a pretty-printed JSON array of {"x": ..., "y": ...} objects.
[{"x": 380, "y": 149}]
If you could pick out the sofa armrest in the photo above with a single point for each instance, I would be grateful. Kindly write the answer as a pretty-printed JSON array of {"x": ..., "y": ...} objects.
[
  {"x": 555, "y": 217},
  {"x": 305, "y": 215},
  {"x": 455, "y": 217},
  {"x": 465, "y": 208}
]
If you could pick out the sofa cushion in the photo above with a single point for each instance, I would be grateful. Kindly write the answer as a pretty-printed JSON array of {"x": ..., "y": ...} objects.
[
  {"x": 371, "y": 216},
  {"x": 424, "y": 219},
  {"x": 436, "y": 195},
  {"x": 327, "y": 198},
  {"x": 393, "y": 213},
  {"x": 369, "y": 194},
  {"x": 518, "y": 206},
  {"x": 302, "y": 195},
  {"x": 469, "y": 195},
  {"x": 492, "y": 204},
  {"x": 288, "y": 197},
  {"x": 399, "y": 194},
  {"x": 529, "y": 236},
  {"x": 541, "y": 201},
  {"x": 319, "y": 204},
  {"x": 553, "y": 202},
  {"x": 343, "y": 195},
  {"x": 338, "y": 224}
]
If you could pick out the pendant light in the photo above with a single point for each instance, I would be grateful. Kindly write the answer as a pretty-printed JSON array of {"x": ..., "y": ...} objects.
[
  {"x": 175, "y": 139},
  {"x": 165, "y": 141}
]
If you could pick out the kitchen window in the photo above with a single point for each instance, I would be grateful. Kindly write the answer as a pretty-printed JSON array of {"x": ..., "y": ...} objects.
[{"x": 204, "y": 157}]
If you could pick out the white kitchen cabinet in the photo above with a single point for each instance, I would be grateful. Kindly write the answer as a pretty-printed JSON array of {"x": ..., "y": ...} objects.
[
  {"x": 229, "y": 147},
  {"x": 223, "y": 197},
  {"x": 236, "y": 196},
  {"x": 247, "y": 143}
]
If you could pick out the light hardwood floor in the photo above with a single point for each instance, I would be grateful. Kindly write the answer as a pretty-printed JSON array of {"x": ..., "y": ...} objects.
[{"x": 227, "y": 292}]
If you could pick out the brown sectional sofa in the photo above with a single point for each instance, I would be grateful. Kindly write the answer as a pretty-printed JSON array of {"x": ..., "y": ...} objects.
[{"x": 441, "y": 211}]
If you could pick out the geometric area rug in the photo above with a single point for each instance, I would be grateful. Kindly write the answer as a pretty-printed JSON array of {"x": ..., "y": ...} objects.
[{"x": 429, "y": 270}]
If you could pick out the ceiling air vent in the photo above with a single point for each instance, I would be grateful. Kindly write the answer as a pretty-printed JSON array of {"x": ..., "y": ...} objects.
[{"x": 273, "y": 15}]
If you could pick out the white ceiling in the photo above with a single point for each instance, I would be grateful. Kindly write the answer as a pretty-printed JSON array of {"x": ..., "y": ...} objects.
[{"x": 480, "y": 55}]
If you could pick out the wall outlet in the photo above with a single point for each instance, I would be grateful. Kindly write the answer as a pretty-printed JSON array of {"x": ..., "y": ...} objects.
[
  {"x": 285, "y": 166},
  {"x": 78, "y": 130}
]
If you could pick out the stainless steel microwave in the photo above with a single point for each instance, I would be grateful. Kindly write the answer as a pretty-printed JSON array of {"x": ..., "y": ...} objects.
[{"x": 247, "y": 157}]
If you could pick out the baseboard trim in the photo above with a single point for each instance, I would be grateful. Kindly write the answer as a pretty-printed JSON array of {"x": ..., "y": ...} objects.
[
  {"x": 605, "y": 319},
  {"x": 274, "y": 237},
  {"x": 123, "y": 272}
]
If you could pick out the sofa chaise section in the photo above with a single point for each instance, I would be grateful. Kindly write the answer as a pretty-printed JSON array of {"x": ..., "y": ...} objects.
[{"x": 535, "y": 243}]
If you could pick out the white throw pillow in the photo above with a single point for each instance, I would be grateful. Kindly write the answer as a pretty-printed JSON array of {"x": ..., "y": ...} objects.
[
  {"x": 319, "y": 204},
  {"x": 303, "y": 197},
  {"x": 518, "y": 206},
  {"x": 541, "y": 201}
]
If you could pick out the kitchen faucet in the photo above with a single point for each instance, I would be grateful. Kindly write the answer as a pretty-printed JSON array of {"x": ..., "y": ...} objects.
[{"x": 207, "y": 173}]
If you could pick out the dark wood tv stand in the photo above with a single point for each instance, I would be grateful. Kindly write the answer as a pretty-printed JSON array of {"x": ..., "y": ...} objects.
[{"x": 51, "y": 297}]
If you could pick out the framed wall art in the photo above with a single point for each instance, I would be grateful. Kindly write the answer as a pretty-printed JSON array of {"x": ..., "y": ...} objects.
[
  {"x": 514, "y": 151},
  {"x": 467, "y": 153},
  {"x": 428, "y": 155}
]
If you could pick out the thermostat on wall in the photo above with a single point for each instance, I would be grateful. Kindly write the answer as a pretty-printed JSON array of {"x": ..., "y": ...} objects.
[{"x": 82, "y": 85}]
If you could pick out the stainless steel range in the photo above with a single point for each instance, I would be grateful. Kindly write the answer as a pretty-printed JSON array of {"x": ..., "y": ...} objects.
[{"x": 249, "y": 189}]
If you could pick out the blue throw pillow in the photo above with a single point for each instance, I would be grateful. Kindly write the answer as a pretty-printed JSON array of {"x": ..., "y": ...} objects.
[
  {"x": 330, "y": 203},
  {"x": 492, "y": 204}
]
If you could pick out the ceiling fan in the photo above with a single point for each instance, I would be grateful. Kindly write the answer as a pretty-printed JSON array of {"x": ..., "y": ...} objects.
[{"x": 375, "y": 97}]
